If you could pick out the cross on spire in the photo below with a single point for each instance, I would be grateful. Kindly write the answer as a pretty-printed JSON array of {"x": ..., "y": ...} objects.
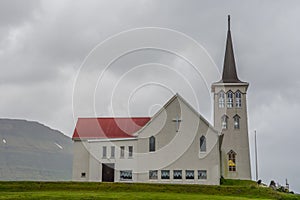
[{"x": 228, "y": 22}]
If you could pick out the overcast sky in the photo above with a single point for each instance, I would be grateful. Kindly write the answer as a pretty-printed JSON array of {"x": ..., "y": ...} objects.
[{"x": 43, "y": 45}]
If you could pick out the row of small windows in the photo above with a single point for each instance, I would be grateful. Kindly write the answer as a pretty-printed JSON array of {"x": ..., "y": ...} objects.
[
  {"x": 177, "y": 174},
  {"x": 166, "y": 174},
  {"x": 202, "y": 144},
  {"x": 113, "y": 151},
  {"x": 224, "y": 122},
  {"x": 229, "y": 95}
]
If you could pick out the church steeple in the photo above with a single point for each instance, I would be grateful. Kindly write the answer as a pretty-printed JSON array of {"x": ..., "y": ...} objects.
[{"x": 229, "y": 69}]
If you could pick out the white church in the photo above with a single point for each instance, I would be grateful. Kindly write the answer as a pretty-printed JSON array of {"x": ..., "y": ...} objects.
[{"x": 176, "y": 145}]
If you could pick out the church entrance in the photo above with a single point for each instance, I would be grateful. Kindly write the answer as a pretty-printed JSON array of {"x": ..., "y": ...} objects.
[{"x": 108, "y": 172}]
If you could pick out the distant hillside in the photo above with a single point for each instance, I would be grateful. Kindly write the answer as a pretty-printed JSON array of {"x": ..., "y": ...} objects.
[{"x": 32, "y": 151}]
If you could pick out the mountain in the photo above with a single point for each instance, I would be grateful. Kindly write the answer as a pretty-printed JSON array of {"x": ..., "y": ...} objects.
[{"x": 32, "y": 151}]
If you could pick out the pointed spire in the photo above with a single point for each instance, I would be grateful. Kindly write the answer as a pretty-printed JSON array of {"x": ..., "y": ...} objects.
[{"x": 229, "y": 69}]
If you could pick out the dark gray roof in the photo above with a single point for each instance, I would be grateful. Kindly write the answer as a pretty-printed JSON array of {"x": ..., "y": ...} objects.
[{"x": 229, "y": 68}]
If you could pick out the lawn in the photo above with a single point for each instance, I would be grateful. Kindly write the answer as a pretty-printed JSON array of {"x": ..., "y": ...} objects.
[{"x": 75, "y": 190}]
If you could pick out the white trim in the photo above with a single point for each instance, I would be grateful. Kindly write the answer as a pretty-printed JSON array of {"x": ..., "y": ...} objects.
[{"x": 110, "y": 139}]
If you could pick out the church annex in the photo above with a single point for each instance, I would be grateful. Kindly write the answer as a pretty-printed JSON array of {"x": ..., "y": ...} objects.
[{"x": 176, "y": 145}]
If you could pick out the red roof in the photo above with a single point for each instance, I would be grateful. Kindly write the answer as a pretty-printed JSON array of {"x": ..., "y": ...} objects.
[{"x": 93, "y": 128}]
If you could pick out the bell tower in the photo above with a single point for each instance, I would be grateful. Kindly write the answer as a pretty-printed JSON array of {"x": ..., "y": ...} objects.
[{"x": 230, "y": 117}]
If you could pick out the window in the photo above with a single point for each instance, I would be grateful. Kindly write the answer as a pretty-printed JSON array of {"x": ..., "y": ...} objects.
[
  {"x": 229, "y": 99},
  {"x": 189, "y": 174},
  {"x": 165, "y": 174},
  {"x": 236, "y": 122},
  {"x": 202, "y": 174},
  {"x": 221, "y": 99},
  {"x": 202, "y": 144},
  {"x": 122, "y": 151},
  {"x": 231, "y": 161},
  {"x": 112, "y": 152},
  {"x": 83, "y": 174},
  {"x": 152, "y": 143},
  {"x": 224, "y": 121},
  {"x": 126, "y": 175},
  {"x": 177, "y": 174},
  {"x": 130, "y": 150},
  {"x": 153, "y": 174},
  {"x": 238, "y": 99},
  {"x": 104, "y": 152}
]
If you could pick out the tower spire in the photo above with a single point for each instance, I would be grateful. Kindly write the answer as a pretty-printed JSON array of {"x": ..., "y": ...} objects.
[{"x": 229, "y": 69}]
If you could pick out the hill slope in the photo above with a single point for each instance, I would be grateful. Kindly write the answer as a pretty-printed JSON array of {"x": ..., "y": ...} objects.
[{"x": 32, "y": 151}]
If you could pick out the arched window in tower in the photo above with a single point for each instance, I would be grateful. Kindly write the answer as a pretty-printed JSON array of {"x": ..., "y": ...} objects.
[
  {"x": 202, "y": 143},
  {"x": 229, "y": 99},
  {"x": 238, "y": 99},
  {"x": 236, "y": 122},
  {"x": 152, "y": 143},
  {"x": 231, "y": 161},
  {"x": 224, "y": 122},
  {"x": 221, "y": 99}
]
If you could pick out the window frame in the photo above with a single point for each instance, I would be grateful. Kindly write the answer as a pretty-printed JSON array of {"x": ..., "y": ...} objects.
[
  {"x": 122, "y": 151},
  {"x": 201, "y": 177},
  {"x": 232, "y": 157},
  {"x": 229, "y": 99},
  {"x": 179, "y": 172},
  {"x": 151, "y": 176},
  {"x": 130, "y": 151},
  {"x": 238, "y": 99},
  {"x": 236, "y": 123},
  {"x": 112, "y": 152},
  {"x": 202, "y": 144},
  {"x": 125, "y": 172},
  {"x": 224, "y": 122},
  {"x": 221, "y": 99},
  {"x": 152, "y": 144},
  {"x": 104, "y": 151},
  {"x": 189, "y": 171},
  {"x": 163, "y": 172}
]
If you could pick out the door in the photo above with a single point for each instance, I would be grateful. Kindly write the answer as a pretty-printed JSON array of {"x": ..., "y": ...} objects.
[{"x": 108, "y": 172}]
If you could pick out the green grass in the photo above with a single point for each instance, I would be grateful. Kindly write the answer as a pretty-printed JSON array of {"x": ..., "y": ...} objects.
[{"x": 74, "y": 190}]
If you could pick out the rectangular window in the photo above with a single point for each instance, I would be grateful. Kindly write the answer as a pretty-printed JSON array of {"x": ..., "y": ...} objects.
[
  {"x": 229, "y": 100},
  {"x": 202, "y": 174},
  {"x": 126, "y": 174},
  {"x": 112, "y": 152},
  {"x": 189, "y": 174},
  {"x": 165, "y": 174},
  {"x": 221, "y": 100},
  {"x": 153, "y": 174},
  {"x": 177, "y": 174},
  {"x": 122, "y": 151},
  {"x": 104, "y": 152},
  {"x": 130, "y": 151},
  {"x": 83, "y": 174},
  {"x": 238, "y": 99}
]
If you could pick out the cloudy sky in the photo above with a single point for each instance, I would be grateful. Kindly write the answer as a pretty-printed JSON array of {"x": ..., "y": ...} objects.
[{"x": 43, "y": 45}]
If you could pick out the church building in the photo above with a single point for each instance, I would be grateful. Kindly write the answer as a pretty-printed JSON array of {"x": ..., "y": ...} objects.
[{"x": 176, "y": 145}]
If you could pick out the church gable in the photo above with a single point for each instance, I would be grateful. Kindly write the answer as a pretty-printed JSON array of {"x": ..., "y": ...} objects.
[{"x": 176, "y": 123}]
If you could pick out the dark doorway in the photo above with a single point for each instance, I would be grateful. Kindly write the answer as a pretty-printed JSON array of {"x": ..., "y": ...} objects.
[{"x": 108, "y": 172}]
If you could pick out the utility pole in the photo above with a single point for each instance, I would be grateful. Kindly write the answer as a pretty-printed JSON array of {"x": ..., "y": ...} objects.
[{"x": 256, "y": 164}]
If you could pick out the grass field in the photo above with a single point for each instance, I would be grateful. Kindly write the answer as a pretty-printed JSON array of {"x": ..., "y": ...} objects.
[{"x": 73, "y": 190}]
